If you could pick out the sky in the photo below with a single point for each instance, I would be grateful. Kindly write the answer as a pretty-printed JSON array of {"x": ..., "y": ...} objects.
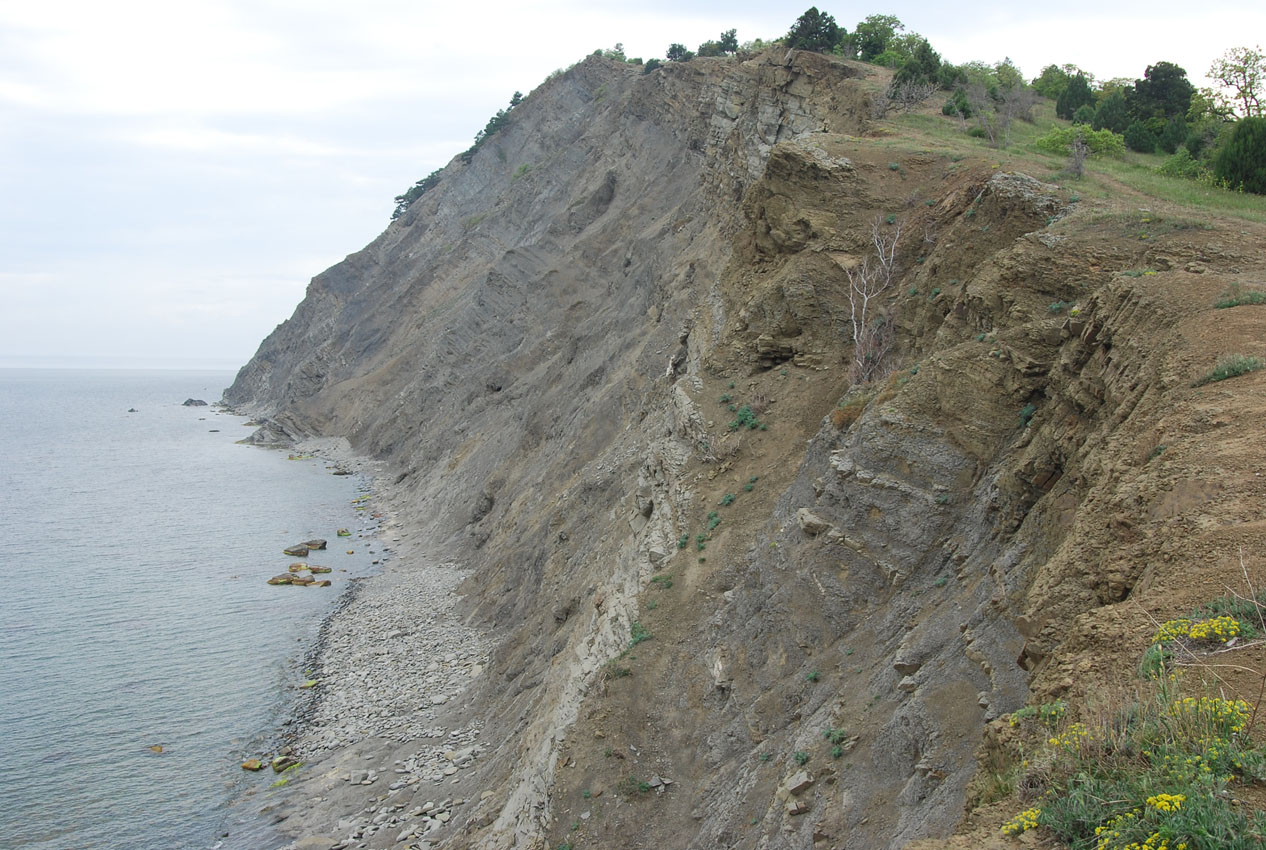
[{"x": 173, "y": 172}]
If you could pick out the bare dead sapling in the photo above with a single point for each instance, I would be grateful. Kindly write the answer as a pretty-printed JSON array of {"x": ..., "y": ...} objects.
[{"x": 868, "y": 281}]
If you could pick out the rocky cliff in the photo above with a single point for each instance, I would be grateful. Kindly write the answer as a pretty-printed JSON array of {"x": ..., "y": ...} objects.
[{"x": 736, "y": 600}]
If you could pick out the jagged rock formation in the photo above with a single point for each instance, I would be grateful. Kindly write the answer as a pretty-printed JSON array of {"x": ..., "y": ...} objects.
[{"x": 549, "y": 348}]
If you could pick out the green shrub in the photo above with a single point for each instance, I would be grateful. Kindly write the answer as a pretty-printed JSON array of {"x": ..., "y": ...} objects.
[
  {"x": 1241, "y": 162},
  {"x": 1139, "y": 138},
  {"x": 1174, "y": 134},
  {"x": 957, "y": 104},
  {"x": 801, "y": 757},
  {"x": 1099, "y": 142},
  {"x": 746, "y": 418},
  {"x": 1235, "y": 296},
  {"x": 1231, "y": 366},
  {"x": 637, "y": 634},
  {"x": 1085, "y": 114},
  {"x": 1183, "y": 164},
  {"x": 1154, "y": 773}
]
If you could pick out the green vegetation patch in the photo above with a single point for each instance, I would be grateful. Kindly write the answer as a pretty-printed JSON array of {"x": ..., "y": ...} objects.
[
  {"x": 1231, "y": 366},
  {"x": 1237, "y": 296}
]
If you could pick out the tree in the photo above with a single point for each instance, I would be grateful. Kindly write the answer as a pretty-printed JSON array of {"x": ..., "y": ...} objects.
[
  {"x": 1008, "y": 75},
  {"x": 814, "y": 30},
  {"x": 922, "y": 66},
  {"x": 1163, "y": 93},
  {"x": 1085, "y": 114},
  {"x": 679, "y": 53},
  {"x": 1051, "y": 82},
  {"x": 1174, "y": 134},
  {"x": 1075, "y": 95},
  {"x": 729, "y": 41},
  {"x": 1241, "y": 162},
  {"x": 867, "y": 282},
  {"x": 871, "y": 36},
  {"x": 1243, "y": 71},
  {"x": 1111, "y": 113},
  {"x": 1139, "y": 138}
]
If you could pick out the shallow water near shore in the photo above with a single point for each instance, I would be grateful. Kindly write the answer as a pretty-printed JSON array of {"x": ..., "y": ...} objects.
[{"x": 133, "y": 608}]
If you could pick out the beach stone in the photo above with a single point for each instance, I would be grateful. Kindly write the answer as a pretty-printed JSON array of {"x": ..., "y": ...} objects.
[
  {"x": 193, "y": 402},
  {"x": 343, "y": 532},
  {"x": 284, "y": 578},
  {"x": 280, "y": 763},
  {"x": 297, "y": 566},
  {"x": 252, "y": 764},
  {"x": 316, "y": 543},
  {"x": 297, "y": 551},
  {"x": 304, "y": 580},
  {"x": 314, "y": 569}
]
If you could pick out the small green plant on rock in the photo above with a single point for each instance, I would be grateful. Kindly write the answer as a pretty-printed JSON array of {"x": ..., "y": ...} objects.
[
  {"x": 813, "y": 676},
  {"x": 745, "y": 418},
  {"x": 801, "y": 757},
  {"x": 727, "y": 500},
  {"x": 637, "y": 634}
]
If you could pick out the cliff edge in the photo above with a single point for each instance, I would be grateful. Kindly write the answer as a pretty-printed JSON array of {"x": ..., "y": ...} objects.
[{"x": 736, "y": 597}]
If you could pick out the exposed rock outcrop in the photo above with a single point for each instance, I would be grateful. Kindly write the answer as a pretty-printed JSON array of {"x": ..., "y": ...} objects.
[{"x": 620, "y": 377}]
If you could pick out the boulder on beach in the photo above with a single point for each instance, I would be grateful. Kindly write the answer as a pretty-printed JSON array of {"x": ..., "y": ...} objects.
[
  {"x": 132, "y": 410},
  {"x": 282, "y": 762},
  {"x": 284, "y": 578},
  {"x": 298, "y": 579},
  {"x": 343, "y": 532},
  {"x": 297, "y": 567},
  {"x": 313, "y": 568},
  {"x": 193, "y": 402},
  {"x": 325, "y": 582},
  {"x": 297, "y": 551},
  {"x": 252, "y": 764},
  {"x": 318, "y": 543}
]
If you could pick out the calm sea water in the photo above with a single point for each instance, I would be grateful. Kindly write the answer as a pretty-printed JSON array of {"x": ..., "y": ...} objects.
[{"x": 134, "y": 548}]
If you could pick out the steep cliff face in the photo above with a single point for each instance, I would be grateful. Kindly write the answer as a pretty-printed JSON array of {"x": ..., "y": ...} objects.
[{"x": 608, "y": 361}]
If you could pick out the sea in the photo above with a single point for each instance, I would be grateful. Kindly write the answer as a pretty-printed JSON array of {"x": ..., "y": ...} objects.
[{"x": 143, "y": 657}]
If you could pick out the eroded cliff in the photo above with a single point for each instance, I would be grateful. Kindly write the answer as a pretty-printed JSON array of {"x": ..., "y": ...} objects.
[{"x": 608, "y": 362}]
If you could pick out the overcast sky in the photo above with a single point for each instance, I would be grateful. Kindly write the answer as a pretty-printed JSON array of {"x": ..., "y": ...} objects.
[{"x": 172, "y": 172}]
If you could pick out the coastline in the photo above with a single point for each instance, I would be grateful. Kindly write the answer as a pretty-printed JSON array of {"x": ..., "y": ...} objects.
[{"x": 391, "y": 663}]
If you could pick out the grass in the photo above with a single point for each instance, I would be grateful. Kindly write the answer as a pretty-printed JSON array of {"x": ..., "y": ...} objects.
[
  {"x": 1231, "y": 366},
  {"x": 1235, "y": 297},
  {"x": 1104, "y": 176}
]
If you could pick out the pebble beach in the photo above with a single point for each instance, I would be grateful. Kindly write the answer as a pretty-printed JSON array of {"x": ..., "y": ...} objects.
[{"x": 390, "y": 663}]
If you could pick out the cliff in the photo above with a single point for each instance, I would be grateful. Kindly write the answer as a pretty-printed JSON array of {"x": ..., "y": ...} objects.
[{"x": 608, "y": 361}]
